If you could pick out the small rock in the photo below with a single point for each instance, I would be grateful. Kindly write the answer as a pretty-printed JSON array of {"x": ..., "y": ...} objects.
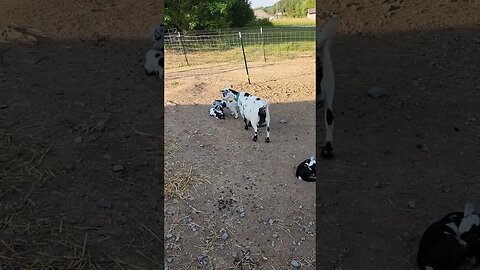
[
  {"x": 364, "y": 164},
  {"x": 242, "y": 214},
  {"x": 105, "y": 204},
  {"x": 423, "y": 147},
  {"x": 235, "y": 255},
  {"x": 201, "y": 259},
  {"x": 415, "y": 83},
  {"x": 225, "y": 236},
  {"x": 137, "y": 188},
  {"x": 100, "y": 126},
  {"x": 79, "y": 139},
  {"x": 79, "y": 103},
  {"x": 376, "y": 92},
  {"x": 244, "y": 249},
  {"x": 168, "y": 236},
  {"x": 169, "y": 259},
  {"x": 91, "y": 138},
  {"x": 411, "y": 204},
  {"x": 456, "y": 129},
  {"x": 408, "y": 236},
  {"x": 295, "y": 264},
  {"x": 378, "y": 184},
  {"x": 59, "y": 92},
  {"x": 107, "y": 156},
  {"x": 275, "y": 235},
  {"x": 122, "y": 220},
  {"x": 3, "y": 106},
  {"x": 117, "y": 168},
  {"x": 221, "y": 247},
  {"x": 270, "y": 221},
  {"x": 283, "y": 120}
]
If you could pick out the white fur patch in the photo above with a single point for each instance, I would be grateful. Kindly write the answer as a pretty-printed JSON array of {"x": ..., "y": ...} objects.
[
  {"x": 468, "y": 222},
  {"x": 152, "y": 58}
]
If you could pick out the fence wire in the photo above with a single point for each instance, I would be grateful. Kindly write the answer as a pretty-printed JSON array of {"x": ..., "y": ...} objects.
[{"x": 223, "y": 45}]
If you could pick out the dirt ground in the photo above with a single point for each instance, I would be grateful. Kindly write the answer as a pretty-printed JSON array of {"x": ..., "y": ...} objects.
[
  {"x": 80, "y": 178},
  {"x": 406, "y": 159},
  {"x": 245, "y": 201}
]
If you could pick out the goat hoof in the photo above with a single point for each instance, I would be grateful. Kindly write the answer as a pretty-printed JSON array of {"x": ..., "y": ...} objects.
[
  {"x": 254, "y": 138},
  {"x": 267, "y": 140},
  {"x": 327, "y": 151}
]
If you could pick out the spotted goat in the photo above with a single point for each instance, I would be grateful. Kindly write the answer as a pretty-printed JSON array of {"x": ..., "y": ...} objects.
[
  {"x": 306, "y": 170},
  {"x": 325, "y": 81},
  {"x": 254, "y": 110},
  {"x": 452, "y": 242},
  {"x": 154, "y": 59},
  {"x": 229, "y": 101},
  {"x": 216, "y": 110}
]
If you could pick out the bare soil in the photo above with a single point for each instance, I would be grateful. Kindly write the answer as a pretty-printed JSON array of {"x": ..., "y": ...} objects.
[
  {"x": 406, "y": 159},
  {"x": 242, "y": 189},
  {"x": 80, "y": 179}
]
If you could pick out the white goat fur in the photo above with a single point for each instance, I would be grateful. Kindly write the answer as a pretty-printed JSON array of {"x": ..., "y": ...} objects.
[
  {"x": 154, "y": 62},
  {"x": 250, "y": 108},
  {"x": 230, "y": 101}
]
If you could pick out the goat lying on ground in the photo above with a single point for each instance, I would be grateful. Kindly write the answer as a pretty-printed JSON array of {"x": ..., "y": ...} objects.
[
  {"x": 253, "y": 110},
  {"x": 154, "y": 59},
  {"x": 154, "y": 63},
  {"x": 325, "y": 81},
  {"x": 451, "y": 242},
  {"x": 306, "y": 170},
  {"x": 217, "y": 109}
]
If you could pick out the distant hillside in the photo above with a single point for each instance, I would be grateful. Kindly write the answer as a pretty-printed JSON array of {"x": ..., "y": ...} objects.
[{"x": 292, "y": 8}]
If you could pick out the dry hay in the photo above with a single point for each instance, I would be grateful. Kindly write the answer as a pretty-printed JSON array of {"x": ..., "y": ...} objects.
[{"x": 179, "y": 176}]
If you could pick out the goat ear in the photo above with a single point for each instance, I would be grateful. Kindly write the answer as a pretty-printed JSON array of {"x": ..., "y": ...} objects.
[
  {"x": 268, "y": 101},
  {"x": 469, "y": 207}
]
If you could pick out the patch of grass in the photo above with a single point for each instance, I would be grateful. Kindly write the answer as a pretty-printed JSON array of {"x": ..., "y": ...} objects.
[
  {"x": 287, "y": 21},
  {"x": 254, "y": 53}
]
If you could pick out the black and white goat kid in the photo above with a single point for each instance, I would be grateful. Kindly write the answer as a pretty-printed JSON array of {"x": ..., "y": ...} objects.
[
  {"x": 217, "y": 109},
  {"x": 306, "y": 170},
  {"x": 154, "y": 59},
  {"x": 254, "y": 110},
  {"x": 325, "y": 81},
  {"x": 230, "y": 101},
  {"x": 452, "y": 242}
]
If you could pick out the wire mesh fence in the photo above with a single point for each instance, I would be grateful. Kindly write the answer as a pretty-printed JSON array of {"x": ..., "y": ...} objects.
[{"x": 224, "y": 45}]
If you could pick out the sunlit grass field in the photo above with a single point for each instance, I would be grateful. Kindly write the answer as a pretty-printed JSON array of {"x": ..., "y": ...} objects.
[{"x": 293, "y": 22}]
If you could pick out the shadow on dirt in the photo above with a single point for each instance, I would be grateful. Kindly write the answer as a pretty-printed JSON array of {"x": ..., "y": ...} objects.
[
  {"x": 81, "y": 140},
  {"x": 404, "y": 159}
]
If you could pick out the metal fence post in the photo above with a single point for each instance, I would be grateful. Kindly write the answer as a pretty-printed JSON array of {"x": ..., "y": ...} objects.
[
  {"x": 183, "y": 48},
  {"x": 263, "y": 44},
  {"x": 244, "y": 57}
]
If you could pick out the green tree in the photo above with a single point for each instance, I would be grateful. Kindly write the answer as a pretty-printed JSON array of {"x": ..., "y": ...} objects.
[
  {"x": 207, "y": 14},
  {"x": 241, "y": 13}
]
